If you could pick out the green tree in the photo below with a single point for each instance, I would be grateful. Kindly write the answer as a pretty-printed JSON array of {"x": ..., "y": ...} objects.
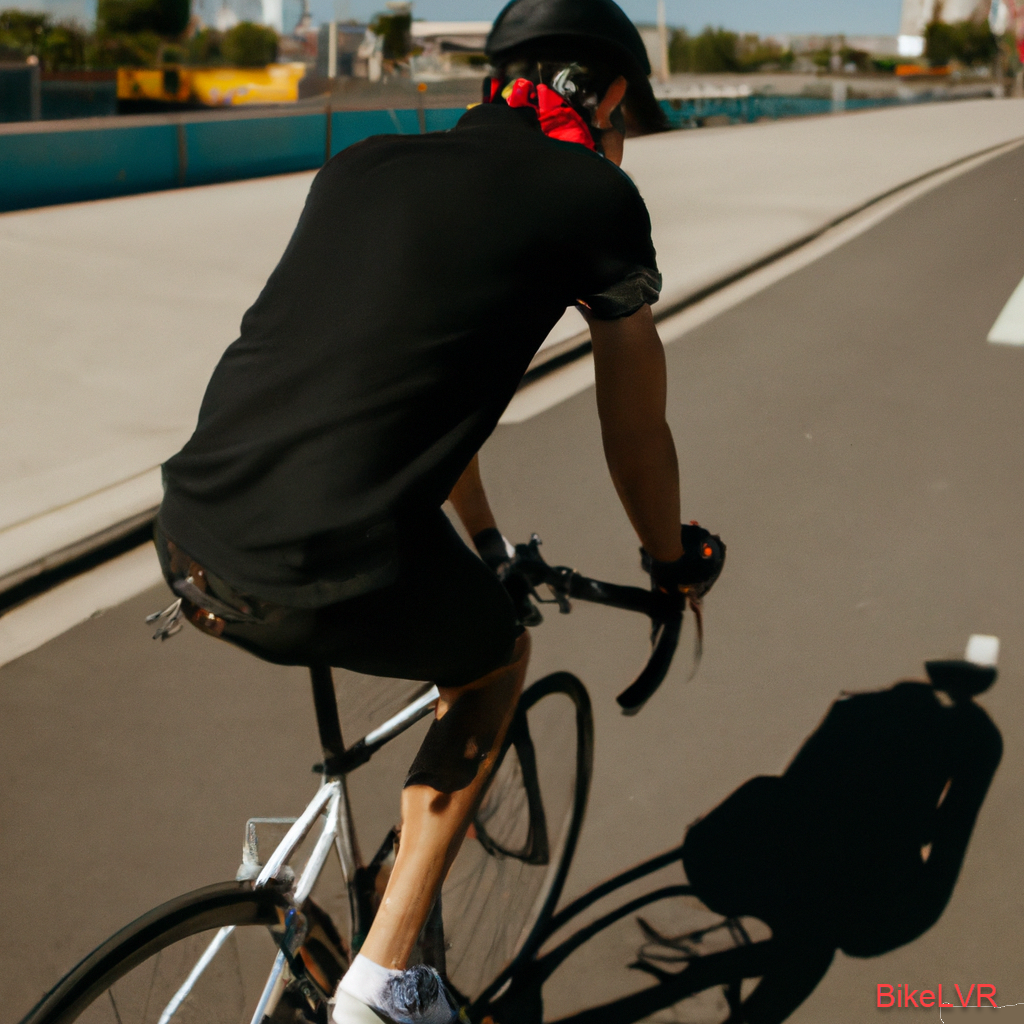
[
  {"x": 753, "y": 52},
  {"x": 976, "y": 42},
  {"x": 248, "y": 45},
  {"x": 969, "y": 42},
  {"x": 679, "y": 51},
  {"x": 204, "y": 48},
  {"x": 164, "y": 17},
  {"x": 396, "y": 31},
  {"x": 861, "y": 59},
  {"x": 64, "y": 47},
  {"x": 715, "y": 49},
  {"x": 58, "y": 47},
  {"x": 21, "y": 32},
  {"x": 123, "y": 49},
  {"x": 938, "y": 43}
]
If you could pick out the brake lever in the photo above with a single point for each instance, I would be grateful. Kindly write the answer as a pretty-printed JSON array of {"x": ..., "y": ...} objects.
[
  {"x": 559, "y": 585},
  {"x": 529, "y": 566},
  {"x": 665, "y": 611}
]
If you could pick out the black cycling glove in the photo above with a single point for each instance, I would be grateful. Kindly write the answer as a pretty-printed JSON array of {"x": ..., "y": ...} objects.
[
  {"x": 498, "y": 555},
  {"x": 493, "y": 550},
  {"x": 695, "y": 572}
]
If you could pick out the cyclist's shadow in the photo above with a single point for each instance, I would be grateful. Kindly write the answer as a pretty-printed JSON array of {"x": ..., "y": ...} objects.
[{"x": 857, "y": 846}]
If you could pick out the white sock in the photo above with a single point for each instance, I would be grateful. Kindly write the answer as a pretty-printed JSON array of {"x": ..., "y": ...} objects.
[
  {"x": 367, "y": 981},
  {"x": 379, "y": 988}
]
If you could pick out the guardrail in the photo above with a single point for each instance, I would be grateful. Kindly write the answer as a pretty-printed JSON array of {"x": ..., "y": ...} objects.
[
  {"x": 29, "y": 94},
  {"x": 46, "y": 163},
  {"x": 701, "y": 104}
]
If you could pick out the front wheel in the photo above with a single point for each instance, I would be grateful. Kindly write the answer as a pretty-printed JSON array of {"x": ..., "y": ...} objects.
[
  {"x": 506, "y": 881},
  {"x": 203, "y": 958}
]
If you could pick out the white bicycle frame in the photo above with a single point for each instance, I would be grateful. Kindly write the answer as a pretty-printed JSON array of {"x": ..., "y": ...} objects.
[{"x": 331, "y": 804}]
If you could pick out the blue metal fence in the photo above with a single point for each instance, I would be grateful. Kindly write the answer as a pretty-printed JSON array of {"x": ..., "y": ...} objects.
[
  {"x": 62, "y": 100},
  {"x": 68, "y": 162},
  {"x": 224, "y": 150},
  {"x": 692, "y": 113},
  {"x": 42, "y": 168},
  {"x": 19, "y": 92}
]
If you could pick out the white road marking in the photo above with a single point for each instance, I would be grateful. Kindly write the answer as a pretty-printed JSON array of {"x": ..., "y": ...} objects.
[
  {"x": 33, "y": 539},
  {"x": 38, "y": 621},
  {"x": 550, "y": 390},
  {"x": 982, "y": 650},
  {"x": 1009, "y": 326}
]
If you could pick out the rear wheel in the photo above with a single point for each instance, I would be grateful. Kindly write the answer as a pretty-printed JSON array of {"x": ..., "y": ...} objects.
[
  {"x": 147, "y": 973},
  {"x": 508, "y": 876}
]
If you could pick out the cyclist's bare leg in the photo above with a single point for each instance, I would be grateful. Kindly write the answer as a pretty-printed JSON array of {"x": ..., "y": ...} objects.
[{"x": 434, "y": 824}]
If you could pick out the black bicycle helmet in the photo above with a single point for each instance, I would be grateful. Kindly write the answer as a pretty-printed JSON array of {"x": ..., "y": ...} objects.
[{"x": 595, "y": 29}]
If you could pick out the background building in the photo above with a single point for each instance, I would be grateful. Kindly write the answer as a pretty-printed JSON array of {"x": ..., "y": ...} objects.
[{"x": 448, "y": 48}]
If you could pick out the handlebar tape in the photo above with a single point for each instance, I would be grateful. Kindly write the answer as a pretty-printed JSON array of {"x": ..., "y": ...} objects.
[{"x": 632, "y": 699}]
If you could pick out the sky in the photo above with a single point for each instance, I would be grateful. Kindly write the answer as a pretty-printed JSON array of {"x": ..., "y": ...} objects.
[{"x": 852, "y": 17}]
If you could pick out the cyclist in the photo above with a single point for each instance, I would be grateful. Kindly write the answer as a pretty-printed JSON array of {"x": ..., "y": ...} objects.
[{"x": 303, "y": 519}]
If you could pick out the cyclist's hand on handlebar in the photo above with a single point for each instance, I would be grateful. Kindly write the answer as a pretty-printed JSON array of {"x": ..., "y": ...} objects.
[
  {"x": 499, "y": 556},
  {"x": 495, "y": 552},
  {"x": 693, "y": 574}
]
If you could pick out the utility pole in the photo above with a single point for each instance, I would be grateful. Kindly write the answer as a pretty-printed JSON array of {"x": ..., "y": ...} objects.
[
  {"x": 662, "y": 43},
  {"x": 332, "y": 50},
  {"x": 35, "y": 88}
]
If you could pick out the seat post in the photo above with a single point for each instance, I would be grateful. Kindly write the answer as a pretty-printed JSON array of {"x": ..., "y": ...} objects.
[{"x": 327, "y": 722}]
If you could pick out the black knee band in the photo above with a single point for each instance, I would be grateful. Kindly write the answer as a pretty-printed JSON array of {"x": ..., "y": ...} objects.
[{"x": 455, "y": 745}]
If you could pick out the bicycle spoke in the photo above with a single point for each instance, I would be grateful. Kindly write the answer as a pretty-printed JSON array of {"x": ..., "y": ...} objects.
[
  {"x": 152, "y": 984},
  {"x": 202, "y": 958},
  {"x": 214, "y": 977},
  {"x": 117, "y": 1016},
  {"x": 204, "y": 961},
  {"x": 498, "y": 889}
]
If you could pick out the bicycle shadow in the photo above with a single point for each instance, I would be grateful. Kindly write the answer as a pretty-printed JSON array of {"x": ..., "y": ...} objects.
[{"x": 856, "y": 846}]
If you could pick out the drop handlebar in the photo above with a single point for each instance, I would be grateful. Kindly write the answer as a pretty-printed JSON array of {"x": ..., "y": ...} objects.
[{"x": 528, "y": 571}]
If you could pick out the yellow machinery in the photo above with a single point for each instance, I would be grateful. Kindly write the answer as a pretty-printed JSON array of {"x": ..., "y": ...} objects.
[{"x": 211, "y": 87}]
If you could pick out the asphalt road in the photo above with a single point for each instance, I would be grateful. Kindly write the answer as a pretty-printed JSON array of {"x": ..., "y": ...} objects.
[{"x": 856, "y": 442}]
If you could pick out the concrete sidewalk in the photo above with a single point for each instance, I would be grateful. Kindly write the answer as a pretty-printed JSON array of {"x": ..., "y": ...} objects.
[{"x": 115, "y": 312}]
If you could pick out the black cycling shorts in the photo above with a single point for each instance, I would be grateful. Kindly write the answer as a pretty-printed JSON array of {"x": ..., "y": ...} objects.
[{"x": 446, "y": 618}]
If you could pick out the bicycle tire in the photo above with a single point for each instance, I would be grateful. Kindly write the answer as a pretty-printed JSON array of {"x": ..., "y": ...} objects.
[
  {"x": 142, "y": 967},
  {"x": 506, "y": 881}
]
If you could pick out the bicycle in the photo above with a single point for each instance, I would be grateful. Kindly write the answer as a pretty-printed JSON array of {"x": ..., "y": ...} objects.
[{"x": 260, "y": 949}]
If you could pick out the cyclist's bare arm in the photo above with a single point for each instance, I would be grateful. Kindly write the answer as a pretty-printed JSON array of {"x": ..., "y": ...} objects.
[
  {"x": 470, "y": 501},
  {"x": 629, "y": 363},
  {"x": 641, "y": 455}
]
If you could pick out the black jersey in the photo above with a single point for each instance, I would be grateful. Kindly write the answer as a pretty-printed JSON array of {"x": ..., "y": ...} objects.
[{"x": 423, "y": 275}]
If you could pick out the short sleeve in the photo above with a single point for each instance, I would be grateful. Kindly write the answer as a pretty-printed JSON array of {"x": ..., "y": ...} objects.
[{"x": 620, "y": 269}]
